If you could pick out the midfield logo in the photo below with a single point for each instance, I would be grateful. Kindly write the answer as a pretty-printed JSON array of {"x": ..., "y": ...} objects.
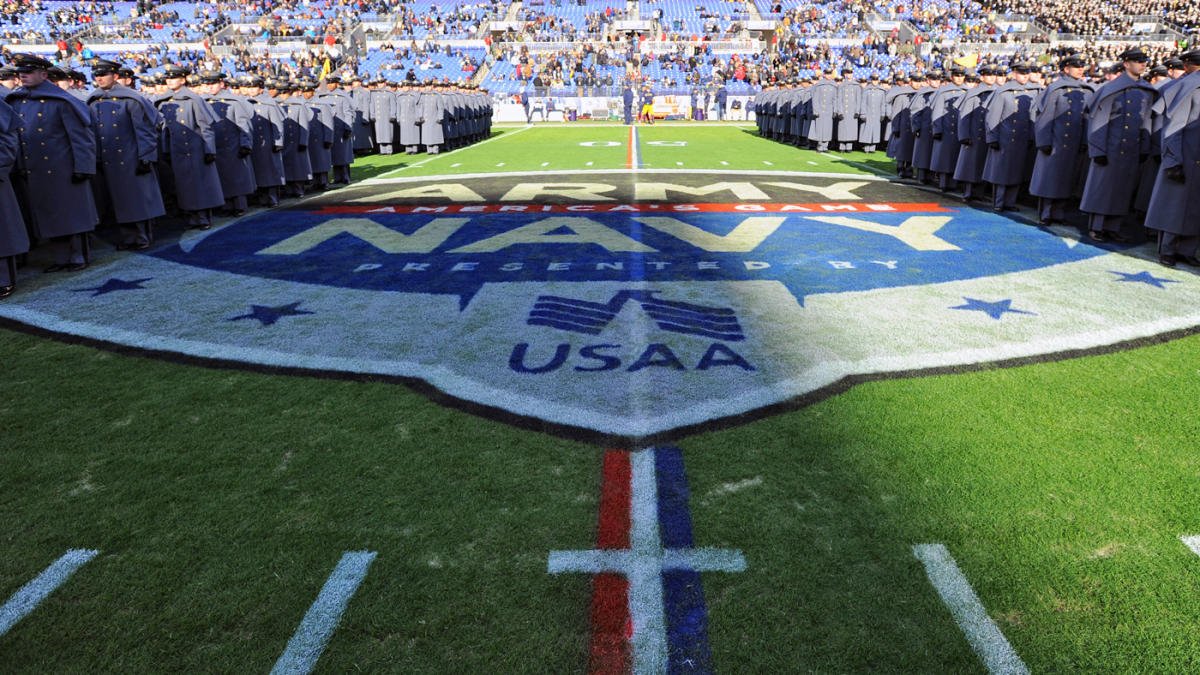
[{"x": 621, "y": 306}]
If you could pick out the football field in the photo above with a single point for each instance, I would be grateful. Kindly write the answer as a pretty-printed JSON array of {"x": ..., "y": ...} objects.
[{"x": 593, "y": 398}]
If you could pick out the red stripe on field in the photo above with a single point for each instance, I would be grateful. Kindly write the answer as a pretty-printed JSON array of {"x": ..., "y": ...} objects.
[
  {"x": 614, "y": 501},
  {"x": 610, "y": 652},
  {"x": 610, "y": 646}
]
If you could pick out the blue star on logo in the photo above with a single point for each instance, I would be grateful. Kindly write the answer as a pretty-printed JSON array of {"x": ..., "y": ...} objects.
[
  {"x": 113, "y": 285},
  {"x": 1142, "y": 278},
  {"x": 992, "y": 309},
  {"x": 269, "y": 315}
]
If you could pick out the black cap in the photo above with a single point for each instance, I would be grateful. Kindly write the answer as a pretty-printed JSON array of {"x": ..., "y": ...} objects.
[
  {"x": 125, "y": 71},
  {"x": 1072, "y": 61},
  {"x": 1192, "y": 57},
  {"x": 936, "y": 75},
  {"x": 27, "y": 63},
  {"x": 176, "y": 71},
  {"x": 7, "y": 72},
  {"x": 957, "y": 70},
  {"x": 1134, "y": 54},
  {"x": 1174, "y": 63},
  {"x": 334, "y": 79},
  {"x": 56, "y": 74},
  {"x": 104, "y": 67},
  {"x": 253, "y": 81},
  {"x": 211, "y": 76},
  {"x": 1158, "y": 71},
  {"x": 1022, "y": 67}
]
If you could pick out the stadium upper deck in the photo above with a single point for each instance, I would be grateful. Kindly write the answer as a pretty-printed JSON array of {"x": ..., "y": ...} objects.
[{"x": 565, "y": 45}]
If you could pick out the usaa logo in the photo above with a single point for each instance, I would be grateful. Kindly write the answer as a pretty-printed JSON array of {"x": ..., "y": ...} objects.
[
  {"x": 591, "y": 318},
  {"x": 619, "y": 305}
]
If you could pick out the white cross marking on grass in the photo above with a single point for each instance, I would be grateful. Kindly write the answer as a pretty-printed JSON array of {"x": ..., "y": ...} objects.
[
  {"x": 643, "y": 565},
  {"x": 724, "y": 163},
  {"x": 545, "y": 163},
  {"x": 500, "y": 165},
  {"x": 768, "y": 163},
  {"x": 1192, "y": 542},
  {"x": 455, "y": 165},
  {"x": 322, "y": 617},
  {"x": 588, "y": 163},
  {"x": 678, "y": 163},
  {"x": 956, "y": 593},
  {"x": 811, "y": 163},
  {"x": 29, "y": 596}
]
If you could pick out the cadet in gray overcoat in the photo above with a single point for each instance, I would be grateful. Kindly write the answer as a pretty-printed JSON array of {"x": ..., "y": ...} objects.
[
  {"x": 266, "y": 127},
  {"x": 972, "y": 132},
  {"x": 320, "y": 135},
  {"x": 189, "y": 142},
  {"x": 871, "y": 114},
  {"x": 1059, "y": 130},
  {"x": 821, "y": 111},
  {"x": 297, "y": 168},
  {"x": 900, "y": 148},
  {"x": 431, "y": 109},
  {"x": 364, "y": 142},
  {"x": 127, "y": 144},
  {"x": 14, "y": 240},
  {"x": 1174, "y": 208},
  {"x": 406, "y": 118},
  {"x": 56, "y": 160},
  {"x": 920, "y": 120},
  {"x": 382, "y": 114},
  {"x": 849, "y": 99},
  {"x": 1009, "y": 137},
  {"x": 943, "y": 127},
  {"x": 342, "y": 107},
  {"x": 235, "y": 141},
  {"x": 1118, "y": 143}
]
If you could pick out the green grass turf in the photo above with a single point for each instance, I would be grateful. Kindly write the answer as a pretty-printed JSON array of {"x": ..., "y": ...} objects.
[
  {"x": 727, "y": 148},
  {"x": 538, "y": 148},
  {"x": 557, "y": 148},
  {"x": 221, "y": 500}
]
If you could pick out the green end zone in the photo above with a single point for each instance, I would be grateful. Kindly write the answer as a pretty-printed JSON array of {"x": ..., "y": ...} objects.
[{"x": 221, "y": 501}]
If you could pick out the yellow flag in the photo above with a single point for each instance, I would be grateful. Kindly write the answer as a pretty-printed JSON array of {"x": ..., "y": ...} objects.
[
  {"x": 326, "y": 69},
  {"x": 968, "y": 61}
]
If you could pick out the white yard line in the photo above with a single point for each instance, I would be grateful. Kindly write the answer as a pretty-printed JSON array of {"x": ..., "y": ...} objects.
[
  {"x": 29, "y": 596},
  {"x": 314, "y": 631},
  {"x": 956, "y": 593},
  {"x": 1192, "y": 542},
  {"x": 447, "y": 154}
]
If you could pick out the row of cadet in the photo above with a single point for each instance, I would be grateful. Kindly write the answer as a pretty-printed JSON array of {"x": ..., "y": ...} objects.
[
  {"x": 71, "y": 159},
  {"x": 1124, "y": 150}
]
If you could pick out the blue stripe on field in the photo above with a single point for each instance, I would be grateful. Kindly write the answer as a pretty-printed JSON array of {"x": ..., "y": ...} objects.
[
  {"x": 675, "y": 522},
  {"x": 683, "y": 596}
]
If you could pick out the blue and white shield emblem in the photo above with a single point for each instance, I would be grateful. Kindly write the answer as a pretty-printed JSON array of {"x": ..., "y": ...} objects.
[{"x": 618, "y": 305}]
